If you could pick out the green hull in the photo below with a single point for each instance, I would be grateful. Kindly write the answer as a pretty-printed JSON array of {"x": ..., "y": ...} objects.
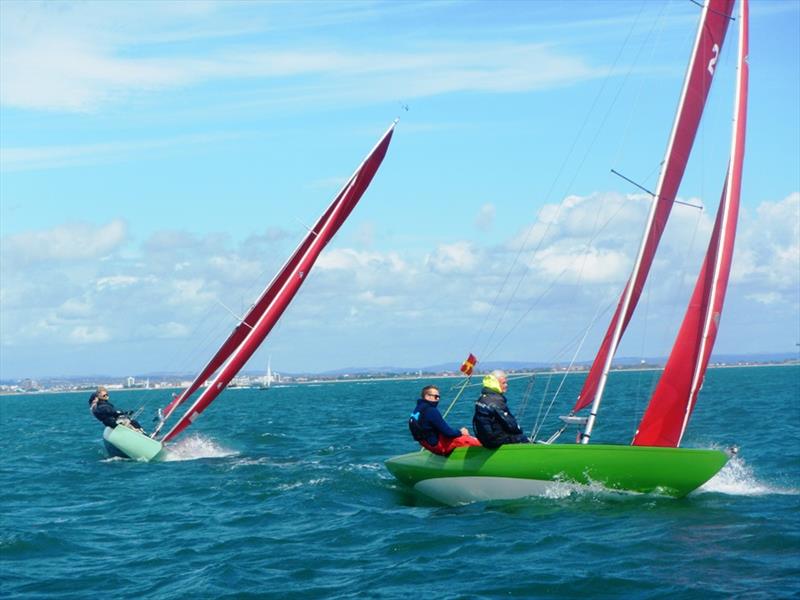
[
  {"x": 128, "y": 443},
  {"x": 520, "y": 470}
]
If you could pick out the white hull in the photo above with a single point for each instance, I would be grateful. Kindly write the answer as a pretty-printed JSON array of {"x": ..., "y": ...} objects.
[{"x": 464, "y": 490}]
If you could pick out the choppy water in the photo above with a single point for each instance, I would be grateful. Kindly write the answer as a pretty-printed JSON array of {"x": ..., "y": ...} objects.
[{"x": 285, "y": 491}]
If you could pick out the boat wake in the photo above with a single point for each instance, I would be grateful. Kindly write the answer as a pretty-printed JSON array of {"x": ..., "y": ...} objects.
[
  {"x": 737, "y": 479},
  {"x": 193, "y": 447}
]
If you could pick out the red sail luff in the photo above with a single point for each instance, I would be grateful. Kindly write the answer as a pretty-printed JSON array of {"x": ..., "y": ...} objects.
[
  {"x": 672, "y": 403},
  {"x": 247, "y": 337},
  {"x": 711, "y": 34},
  {"x": 251, "y": 317}
]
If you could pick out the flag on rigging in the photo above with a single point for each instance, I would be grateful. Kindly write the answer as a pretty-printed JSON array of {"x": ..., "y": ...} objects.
[{"x": 469, "y": 364}]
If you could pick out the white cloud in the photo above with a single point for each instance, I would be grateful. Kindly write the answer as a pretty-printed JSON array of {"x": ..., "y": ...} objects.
[
  {"x": 233, "y": 268},
  {"x": 371, "y": 297},
  {"x": 65, "y": 243},
  {"x": 116, "y": 281},
  {"x": 768, "y": 298},
  {"x": 83, "y": 334},
  {"x": 480, "y": 307},
  {"x": 81, "y": 60},
  {"x": 349, "y": 258},
  {"x": 47, "y": 157},
  {"x": 189, "y": 292},
  {"x": 456, "y": 289},
  {"x": 458, "y": 257},
  {"x": 592, "y": 265},
  {"x": 75, "y": 308},
  {"x": 165, "y": 331},
  {"x": 767, "y": 254}
]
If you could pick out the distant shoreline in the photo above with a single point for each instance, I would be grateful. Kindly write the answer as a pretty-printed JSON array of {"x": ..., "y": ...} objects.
[{"x": 366, "y": 379}]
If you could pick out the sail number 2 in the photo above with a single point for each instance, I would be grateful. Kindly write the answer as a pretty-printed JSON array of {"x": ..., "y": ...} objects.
[{"x": 713, "y": 62}]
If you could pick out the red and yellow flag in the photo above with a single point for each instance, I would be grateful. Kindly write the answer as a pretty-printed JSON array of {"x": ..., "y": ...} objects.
[{"x": 469, "y": 364}]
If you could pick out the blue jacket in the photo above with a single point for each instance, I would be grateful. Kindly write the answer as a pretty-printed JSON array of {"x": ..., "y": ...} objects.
[{"x": 431, "y": 422}]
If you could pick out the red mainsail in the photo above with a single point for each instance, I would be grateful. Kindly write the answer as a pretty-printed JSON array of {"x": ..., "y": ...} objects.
[
  {"x": 262, "y": 316},
  {"x": 667, "y": 414},
  {"x": 699, "y": 75}
]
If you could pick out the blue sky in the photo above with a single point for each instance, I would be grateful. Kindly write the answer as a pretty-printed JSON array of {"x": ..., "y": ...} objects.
[{"x": 158, "y": 159}]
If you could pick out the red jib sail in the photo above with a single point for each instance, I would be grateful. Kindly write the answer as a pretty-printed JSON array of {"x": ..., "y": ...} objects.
[
  {"x": 667, "y": 414},
  {"x": 708, "y": 43},
  {"x": 262, "y": 316}
]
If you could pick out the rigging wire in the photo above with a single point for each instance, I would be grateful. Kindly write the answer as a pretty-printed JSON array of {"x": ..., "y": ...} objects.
[
  {"x": 549, "y": 193},
  {"x": 200, "y": 350},
  {"x": 587, "y": 246},
  {"x": 571, "y": 184},
  {"x": 656, "y": 30},
  {"x": 540, "y": 422},
  {"x": 458, "y": 395}
]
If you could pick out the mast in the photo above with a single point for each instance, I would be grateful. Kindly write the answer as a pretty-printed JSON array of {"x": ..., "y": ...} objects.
[
  {"x": 248, "y": 335},
  {"x": 697, "y": 83},
  {"x": 667, "y": 415}
]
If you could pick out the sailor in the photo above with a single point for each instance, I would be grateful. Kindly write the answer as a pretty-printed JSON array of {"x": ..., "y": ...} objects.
[
  {"x": 430, "y": 429},
  {"x": 493, "y": 422},
  {"x": 105, "y": 412}
]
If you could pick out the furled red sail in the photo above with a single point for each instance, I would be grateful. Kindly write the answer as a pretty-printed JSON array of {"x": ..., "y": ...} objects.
[
  {"x": 708, "y": 43},
  {"x": 262, "y": 316},
  {"x": 667, "y": 414}
]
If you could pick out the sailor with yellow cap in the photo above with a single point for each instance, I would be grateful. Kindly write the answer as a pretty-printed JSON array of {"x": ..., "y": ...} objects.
[{"x": 493, "y": 423}]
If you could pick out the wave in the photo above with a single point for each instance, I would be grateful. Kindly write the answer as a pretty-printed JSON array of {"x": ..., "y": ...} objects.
[
  {"x": 196, "y": 446},
  {"x": 738, "y": 479}
]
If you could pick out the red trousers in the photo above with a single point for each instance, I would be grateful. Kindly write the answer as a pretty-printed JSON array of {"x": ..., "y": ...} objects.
[{"x": 446, "y": 445}]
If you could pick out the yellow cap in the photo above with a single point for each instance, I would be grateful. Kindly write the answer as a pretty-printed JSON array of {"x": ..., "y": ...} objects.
[{"x": 490, "y": 381}]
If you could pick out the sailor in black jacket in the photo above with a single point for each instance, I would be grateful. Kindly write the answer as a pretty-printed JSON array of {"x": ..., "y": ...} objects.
[
  {"x": 493, "y": 423},
  {"x": 105, "y": 412}
]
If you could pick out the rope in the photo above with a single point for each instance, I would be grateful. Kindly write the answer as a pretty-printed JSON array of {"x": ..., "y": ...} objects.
[
  {"x": 458, "y": 395},
  {"x": 549, "y": 193},
  {"x": 539, "y": 424}
]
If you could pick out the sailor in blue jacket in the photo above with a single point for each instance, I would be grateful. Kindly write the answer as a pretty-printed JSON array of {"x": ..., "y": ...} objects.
[
  {"x": 430, "y": 429},
  {"x": 493, "y": 422}
]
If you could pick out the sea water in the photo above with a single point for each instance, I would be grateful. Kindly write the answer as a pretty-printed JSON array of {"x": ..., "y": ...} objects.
[{"x": 284, "y": 491}]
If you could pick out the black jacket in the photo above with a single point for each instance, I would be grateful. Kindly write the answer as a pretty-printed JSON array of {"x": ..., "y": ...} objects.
[
  {"x": 493, "y": 423},
  {"x": 105, "y": 412}
]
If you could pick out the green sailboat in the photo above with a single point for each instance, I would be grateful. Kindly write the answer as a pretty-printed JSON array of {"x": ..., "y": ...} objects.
[{"x": 654, "y": 462}]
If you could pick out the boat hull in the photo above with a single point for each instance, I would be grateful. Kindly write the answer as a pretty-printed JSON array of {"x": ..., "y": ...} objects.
[
  {"x": 125, "y": 442},
  {"x": 520, "y": 470}
]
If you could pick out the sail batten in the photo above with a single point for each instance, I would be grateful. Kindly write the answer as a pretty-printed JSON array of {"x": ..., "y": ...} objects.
[
  {"x": 668, "y": 412},
  {"x": 697, "y": 83},
  {"x": 265, "y": 312}
]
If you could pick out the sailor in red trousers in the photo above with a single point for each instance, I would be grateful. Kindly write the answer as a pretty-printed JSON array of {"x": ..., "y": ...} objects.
[{"x": 429, "y": 428}]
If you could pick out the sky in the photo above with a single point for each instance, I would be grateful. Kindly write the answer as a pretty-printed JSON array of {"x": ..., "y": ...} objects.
[{"x": 160, "y": 160}]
